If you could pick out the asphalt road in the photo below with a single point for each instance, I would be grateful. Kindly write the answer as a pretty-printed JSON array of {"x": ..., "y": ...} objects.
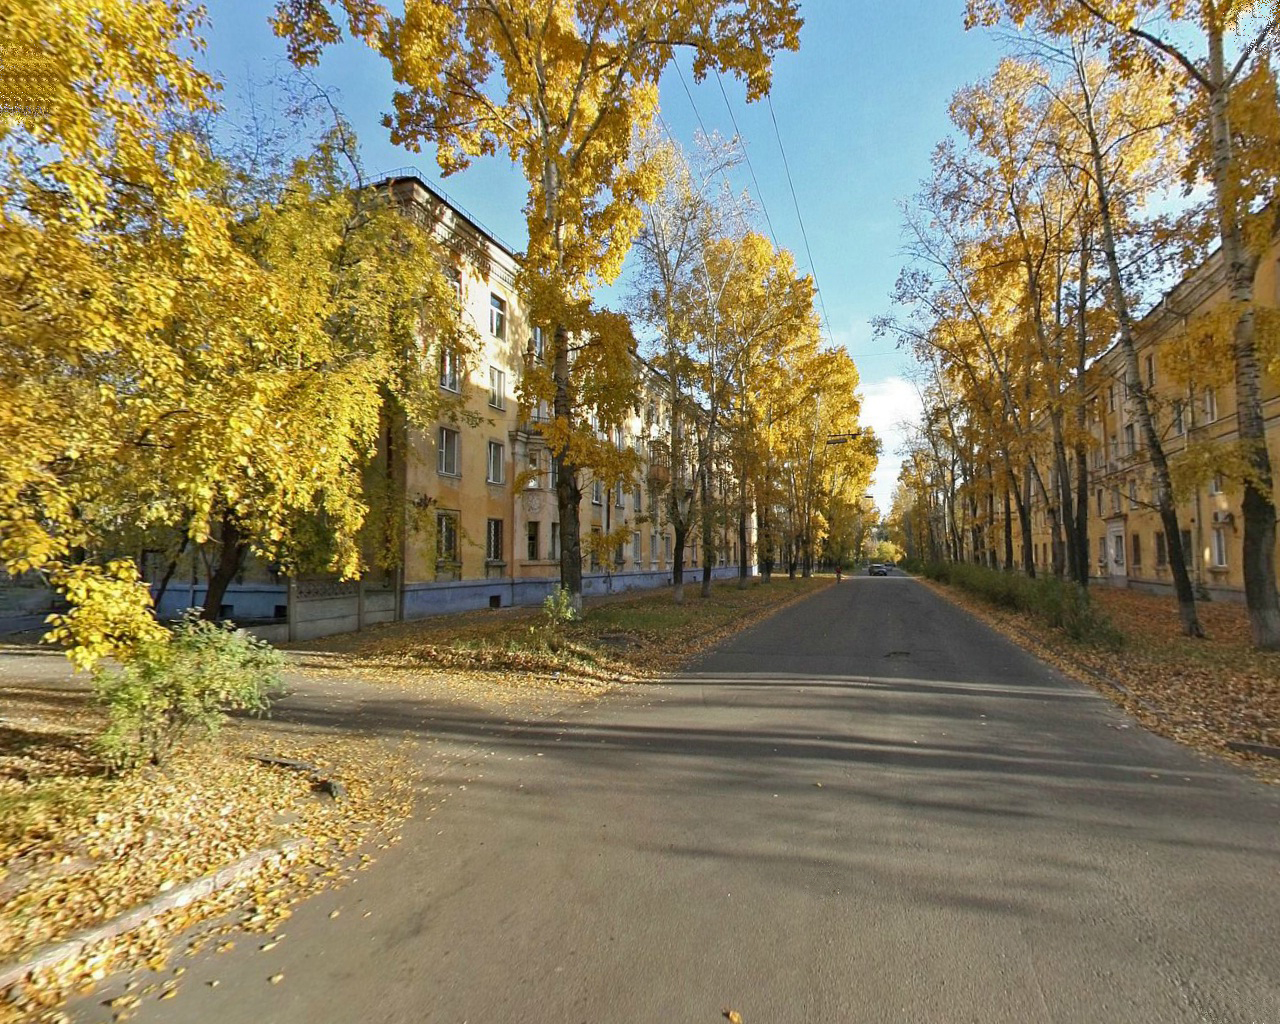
[{"x": 869, "y": 808}]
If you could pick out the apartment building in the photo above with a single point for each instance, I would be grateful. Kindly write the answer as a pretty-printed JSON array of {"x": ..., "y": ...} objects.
[
  {"x": 491, "y": 534},
  {"x": 1192, "y": 404}
]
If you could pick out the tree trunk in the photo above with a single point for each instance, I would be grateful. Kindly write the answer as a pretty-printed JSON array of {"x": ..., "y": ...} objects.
[
  {"x": 170, "y": 569},
  {"x": 677, "y": 565},
  {"x": 1259, "y": 509},
  {"x": 1023, "y": 500},
  {"x": 568, "y": 493},
  {"x": 1008, "y": 530},
  {"x": 744, "y": 566},
  {"x": 1137, "y": 388},
  {"x": 232, "y": 547},
  {"x": 708, "y": 532}
]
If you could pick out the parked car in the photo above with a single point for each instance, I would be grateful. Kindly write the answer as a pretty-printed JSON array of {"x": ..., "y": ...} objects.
[{"x": 876, "y": 569}]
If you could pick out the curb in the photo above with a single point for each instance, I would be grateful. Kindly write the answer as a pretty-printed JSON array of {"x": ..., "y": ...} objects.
[{"x": 224, "y": 878}]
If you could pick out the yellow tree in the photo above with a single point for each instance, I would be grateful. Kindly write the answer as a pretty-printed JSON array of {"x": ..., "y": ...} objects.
[
  {"x": 754, "y": 332},
  {"x": 561, "y": 86},
  {"x": 104, "y": 226},
  {"x": 1218, "y": 53},
  {"x": 172, "y": 359},
  {"x": 669, "y": 298}
]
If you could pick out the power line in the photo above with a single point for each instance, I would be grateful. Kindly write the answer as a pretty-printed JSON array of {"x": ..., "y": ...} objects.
[
  {"x": 813, "y": 267},
  {"x": 746, "y": 156}
]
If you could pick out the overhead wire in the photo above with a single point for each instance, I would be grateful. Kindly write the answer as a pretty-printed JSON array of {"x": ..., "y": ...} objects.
[{"x": 813, "y": 267}]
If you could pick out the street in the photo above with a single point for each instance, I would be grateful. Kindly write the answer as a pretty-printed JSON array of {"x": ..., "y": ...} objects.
[{"x": 870, "y": 808}]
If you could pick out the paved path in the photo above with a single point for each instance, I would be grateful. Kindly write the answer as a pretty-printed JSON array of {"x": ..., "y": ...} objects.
[{"x": 868, "y": 809}]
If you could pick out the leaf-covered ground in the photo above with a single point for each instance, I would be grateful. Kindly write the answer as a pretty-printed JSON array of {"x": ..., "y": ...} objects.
[
  {"x": 78, "y": 847},
  {"x": 1206, "y": 693},
  {"x": 502, "y": 656}
]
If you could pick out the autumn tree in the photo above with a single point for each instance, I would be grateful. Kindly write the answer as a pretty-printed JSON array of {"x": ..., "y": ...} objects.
[
  {"x": 1123, "y": 149},
  {"x": 670, "y": 298},
  {"x": 176, "y": 359},
  {"x": 106, "y": 233},
  {"x": 1218, "y": 55},
  {"x": 561, "y": 87}
]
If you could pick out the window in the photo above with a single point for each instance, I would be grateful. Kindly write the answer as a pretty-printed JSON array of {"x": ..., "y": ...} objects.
[
  {"x": 1151, "y": 370},
  {"x": 1130, "y": 439},
  {"x": 447, "y": 536},
  {"x": 619, "y": 439},
  {"x": 497, "y": 465},
  {"x": 449, "y": 375},
  {"x": 1179, "y": 427},
  {"x": 1187, "y": 550},
  {"x": 1111, "y": 398},
  {"x": 653, "y": 547},
  {"x": 553, "y": 474},
  {"x": 454, "y": 276},
  {"x": 497, "y": 316},
  {"x": 1215, "y": 485},
  {"x": 1099, "y": 501},
  {"x": 553, "y": 542},
  {"x": 1136, "y": 548},
  {"x": 1115, "y": 499},
  {"x": 635, "y": 546},
  {"x": 1133, "y": 494},
  {"x": 1210, "y": 405},
  {"x": 1219, "y": 547},
  {"x": 534, "y": 546},
  {"x": 493, "y": 541},
  {"x": 1117, "y": 549},
  {"x": 1102, "y": 550},
  {"x": 533, "y": 470},
  {"x": 538, "y": 344},
  {"x": 666, "y": 546},
  {"x": 448, "y": 463},
  {"x": 620, "y": 498},
  {"x": 497, "y": 388},
  {"x": 1162, "y": 549},
  {"x": 639, "y": 499},
  {"x": 595, "y": 548},
  {"x": 597, "y": 492}
]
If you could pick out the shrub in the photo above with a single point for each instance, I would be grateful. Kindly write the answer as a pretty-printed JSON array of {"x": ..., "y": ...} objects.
[
  {"x": 557, "y": 612},
  {"x": 1058, "y": 603},
  {"x": 187, "y": 680}
]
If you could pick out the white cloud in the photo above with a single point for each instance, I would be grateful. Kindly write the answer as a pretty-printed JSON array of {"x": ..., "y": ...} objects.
[{"x": 890, "y": 407}]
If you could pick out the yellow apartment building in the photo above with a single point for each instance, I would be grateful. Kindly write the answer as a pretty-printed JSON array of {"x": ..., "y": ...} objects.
[{"x": 1126, "y": 536}]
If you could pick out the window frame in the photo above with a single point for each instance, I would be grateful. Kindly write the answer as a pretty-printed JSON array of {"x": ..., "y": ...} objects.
[
  {"x": 497, "y": 388},
  {"x": 450, "y": 370},
  {"x": 497, "y": 316},
  {"x": 493, "y": 541},
  {"x": 1218, "y": 547},
  {"x": 501, "y": 463},
  {"x": 1209, "y": 404},
  {"x": 448, "y": 439},
  {"x": 451, "y": 551}
]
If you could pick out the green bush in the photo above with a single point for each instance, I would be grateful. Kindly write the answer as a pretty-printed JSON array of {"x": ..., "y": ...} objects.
[
  {"x": 1058, "y": 603},
  {"x": 557, "y": 612},
  {"x": 187, "y": 681}
]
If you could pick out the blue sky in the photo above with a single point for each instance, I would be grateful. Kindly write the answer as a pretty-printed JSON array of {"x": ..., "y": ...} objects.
[{"x": 859, "y": 109}]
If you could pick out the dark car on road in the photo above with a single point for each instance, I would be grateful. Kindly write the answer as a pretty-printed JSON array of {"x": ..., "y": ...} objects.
[{"x": 876, "y": 569}]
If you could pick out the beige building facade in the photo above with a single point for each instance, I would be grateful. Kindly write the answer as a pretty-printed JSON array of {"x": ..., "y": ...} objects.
[{"x": 1195, "y": 411}]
